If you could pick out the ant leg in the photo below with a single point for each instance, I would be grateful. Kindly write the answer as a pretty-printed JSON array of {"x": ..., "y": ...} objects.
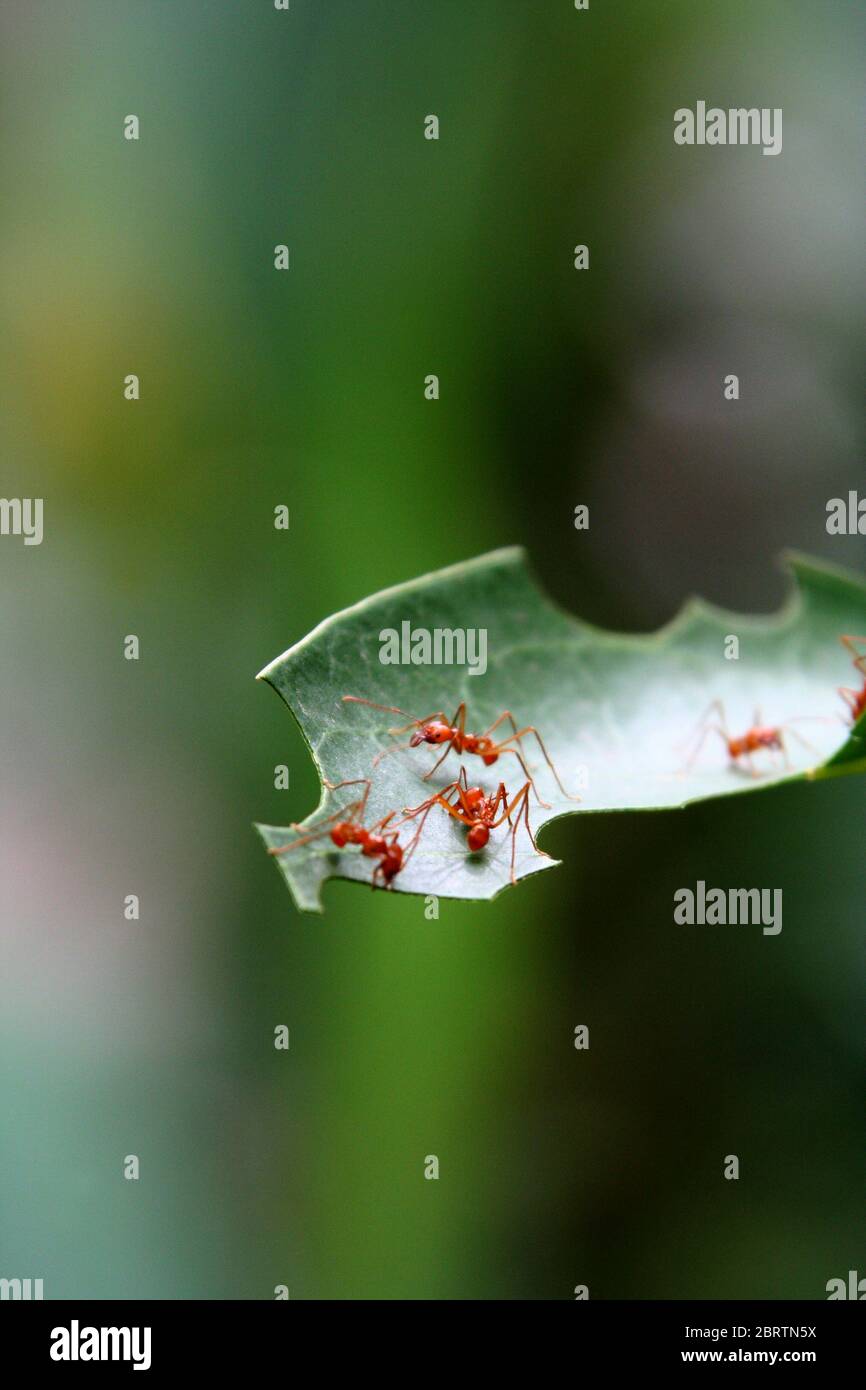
[
  {"x": 355, "y": 811},
  {"x": 708, "y": 729},
  {"x": 703, "y": 724},
  {"x": 458, "y": 814},
  {"x": 853, "y": 644},
  {"x": 520, "y": 802},
  {"x": 542, "y": 852},
  {"x": 719, "y": 707},
  {"x": 518, "y": 735},
  {"x": 438, "y": 763},
  {"x": 410, "y": 811},
  {"x": 530, "y": 729},
  {"x": 423, "y": 811},
  {"x": 506, "y": 714},
  {"x": 387, "y": 709},
  {"x": 412, "y": 844},
  {"x": 394, "y": 709},
  {"x": 456, "y": 811},
  {"x": 523, "y": 812},
  {"x": 520, "y": 806},
  {"x": 500, "y": 799},
  {"x": 348, "y": 813},
  {"x": 527, "y": 774},
  {"x": 850, "y": 698},
  {"x": 514, "y": 829},
  {"x": 440, "y": 799},
  {"x": 386, "y": 752},
  {"x": 462, "y": 789},
  {"x": 792, "y": 733},
  {"x": 459, "y": 720},
  {"x": 352, "y": 782},
  {"x": 460, "y": 784},
  {"x": 785, "y": 732}
]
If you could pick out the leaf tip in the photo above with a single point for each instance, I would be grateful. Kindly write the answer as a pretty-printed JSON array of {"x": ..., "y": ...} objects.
[{"x": 265, "y": 673}]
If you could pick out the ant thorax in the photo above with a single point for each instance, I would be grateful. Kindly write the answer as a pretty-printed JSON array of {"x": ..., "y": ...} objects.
[
  {"x": 481, "y": 745},
  {"x": 374, "y": 845}
]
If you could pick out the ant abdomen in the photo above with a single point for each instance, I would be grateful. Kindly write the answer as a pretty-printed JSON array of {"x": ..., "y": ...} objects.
[
  {"x": 392, "y": 863},
  {"x": 478, "y": 836}
]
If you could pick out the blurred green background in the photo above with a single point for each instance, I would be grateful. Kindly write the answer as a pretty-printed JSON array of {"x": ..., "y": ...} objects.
[{"x": 408, "y": 257}]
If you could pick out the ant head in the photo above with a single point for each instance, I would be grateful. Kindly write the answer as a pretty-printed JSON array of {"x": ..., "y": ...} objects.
[
  {"x": 340, "y": 834},
  {"x": 431, "y": 733},
  {"x": 473, "y": 796}
]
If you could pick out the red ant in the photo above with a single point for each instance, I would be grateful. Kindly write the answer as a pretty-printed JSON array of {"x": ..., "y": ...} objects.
[
  {"x": 855, "y": 699},
  {"x": 744, "y": 746},
  {"x": 481, "y": 813},
  {"x": 436, "y": 729},
  {"x": 346, "y": 827}
]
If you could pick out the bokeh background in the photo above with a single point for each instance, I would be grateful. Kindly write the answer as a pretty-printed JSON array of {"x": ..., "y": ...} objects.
[{"x": 410, "y": 1037}]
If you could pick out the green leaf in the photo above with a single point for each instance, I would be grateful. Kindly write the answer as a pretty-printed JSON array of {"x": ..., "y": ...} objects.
[{"x": 616, "y": 712}]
